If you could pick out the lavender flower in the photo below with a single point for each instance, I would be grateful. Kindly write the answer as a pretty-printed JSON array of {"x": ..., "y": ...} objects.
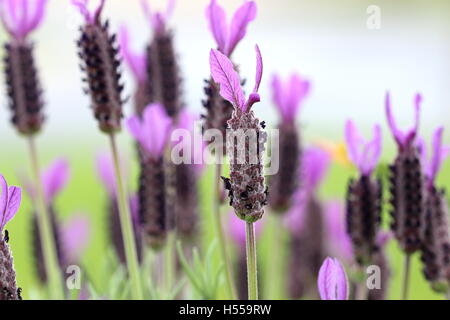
[
  {"x": 152, "y": 133},
  {"x": 364, "y": 196},
  {"x": 138, "y": 65},
  {"x": 246, "y": 184},
  {"x": 10, "y": 199},
  {"x": 435, "y": 250},
  {"x": 227, "y": 37},
  {"x": 287, "y": 98},
  {"x": 332, "y": 281},
  {"x": 23, "y": 88},
  {"x": 105, "y": 170},
  {"x": 75, "y": 237},
  {"x": 163, "y": 79},
  {"x": 100, "y": 62},
  {"x": 380, "y": 259},
  {"x": 407, "y": 184},
  {"x": 305, "y": 222}
]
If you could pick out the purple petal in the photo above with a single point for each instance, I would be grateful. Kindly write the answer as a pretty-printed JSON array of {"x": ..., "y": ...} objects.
[
  {"x": 157, "y": 126},
  {"x": 383, "y": 237},
  {"x": 3, "y": 199},
  {"x": 332, "y": 281},
  {"x": 338, "y": 240},
  {"x": 136, "y": 62},
  {"x": 55, "y": 178},
  {"x": 170, "y": 9},
  {"x": 316, "y": 162},
  {"x": 371, "y": 153},
  {"x": 38, "y": 16},
  {"x": 353, "y": 141},
  {"x": 156, "y": 19},
  {"x": 436, "y": 159},
  {"x": 254, "y": 96},
  {"x": 14, "y": 199},
  {"x": 75, "y": 237},
  {"x": 243, "y": 16},
  {"x": 223, "y": 73},
  {"x": 217, "y": 24},
  {"x": 278, "y": 95},
  {"x": 106, "y": 172},
  {"x": 398, "y": 135},
  {"x": 135, "y": 127},
  {"x": 297, "y": 90}
]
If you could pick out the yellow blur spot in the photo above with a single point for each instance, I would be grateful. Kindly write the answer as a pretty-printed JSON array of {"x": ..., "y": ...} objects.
[{"x": 337, "y": 150}]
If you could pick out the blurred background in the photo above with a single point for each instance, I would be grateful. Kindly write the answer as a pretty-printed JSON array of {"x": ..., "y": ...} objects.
[{"x": 350, "y": 65}]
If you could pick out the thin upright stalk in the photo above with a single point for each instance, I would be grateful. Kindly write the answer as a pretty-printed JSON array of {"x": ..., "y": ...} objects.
[
  {"x": 407, "y": 269},
  {"x": 275, "y": 285},
  {"x": 127, "y": 226},
  {"x": 220, "y": 234},
  {"x": 252, "y": 274},
  {"x": 170, "y": 261},
  {"x": 46, "y": 233}
]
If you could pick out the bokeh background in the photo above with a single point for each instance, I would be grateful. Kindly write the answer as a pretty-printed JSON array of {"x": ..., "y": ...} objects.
[{"x": 350, "y": 66}]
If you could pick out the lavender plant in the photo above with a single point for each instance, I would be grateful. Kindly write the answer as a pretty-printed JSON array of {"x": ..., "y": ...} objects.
[
  {"x": 10, "y": 199},
  {"x": 100, "y": 62},
  {"x": 247, "y": 192},
  {"x": 287, "y": 98},
  {"x": 407, "y": 189},
  {"x": 435, "y": 249},
  {"x": 20, "y": 19},
  {"x": 364, "y": 195}
]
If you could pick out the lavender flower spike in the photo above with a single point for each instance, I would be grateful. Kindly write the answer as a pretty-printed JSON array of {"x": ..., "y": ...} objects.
[
  {"x": 152, "y": 133},
  {"x": 246, "y": 184},
  {"x": 10, "y": 199},
  {"x": 364, "y": 194},
  {"x": 287, "y": 98},
  {"x": 23, "y": 87},
  {"x": 101, "y": 65},
  {"x": 407, "y": 184},
  {"x": 332, "y": 281}
]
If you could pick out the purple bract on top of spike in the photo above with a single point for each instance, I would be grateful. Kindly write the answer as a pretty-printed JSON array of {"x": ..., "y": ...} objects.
[
  {"x": 10, "y": 199},
  {"x": 403, "y": 138},
  {"x": 363, "y": 154},
  {"x": 137, "y": 62},
  {"x": 21, "y": 17},
  {"x": 223, "y": 73},
  {"x": 288, "y": 96},
  {"x": 332, "y": 281},
  {"x": 91, "y": 17},
  {"x": 75, "y": 237},
  {"x": 152, "y": 131},
  {"x": 158, "y": 19},
  {"x": 228, "y": 36}
]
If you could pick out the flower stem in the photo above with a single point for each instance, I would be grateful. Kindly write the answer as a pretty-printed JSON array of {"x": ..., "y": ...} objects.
[
  {"x": 220, "y": 234},
  {"x": 46, "y": 232},
  {"x": 170, "y": 261},
  {"x": 275, "y": 285},
  {"x": 406, "y": 274},
  {"x": 252, "y": 274},
  {"x": 126, "y": 225}
]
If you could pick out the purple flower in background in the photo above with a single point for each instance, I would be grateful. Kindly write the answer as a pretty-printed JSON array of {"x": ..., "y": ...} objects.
[
  {"x": 380, "y": 259},
  {"x": 403, "y": 138},
  {"x": 247, "y": 191},
  {"x": 407, "y": 183},
  {"x": 10, "y": 199},
  {"x": 158, "y": 20},
  {"x": 152, "y": 131},
  {"x": 136, "y": 61},
  {"x": 236, "y": 229},
  {"x": 21, "y": 17},
  {"x": 338, "y": 241},
  {"x": 364, "y": 154},
  {"x": 75, "y": 237},
  {"x": 363, "y": 194},
  {"x": 228, "y": 36},
  {"x": 288, "y": 96},
  {"x": 332, "y": 281}
]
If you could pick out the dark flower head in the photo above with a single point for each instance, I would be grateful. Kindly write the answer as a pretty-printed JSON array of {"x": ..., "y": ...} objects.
[{"x": 100, "y": 63}]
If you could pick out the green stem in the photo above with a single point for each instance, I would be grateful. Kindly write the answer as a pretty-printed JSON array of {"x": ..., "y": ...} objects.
[
  {"x": 276, "y": 269},
  {"x": 170, "y": 262},
  {"x": 407, "y": 269},
  {"x": 127, "y": 226},
  {"x": 252, "y": 274},
  {"x": 46, "y": 233},
  {"x": 220, "y": 234}
]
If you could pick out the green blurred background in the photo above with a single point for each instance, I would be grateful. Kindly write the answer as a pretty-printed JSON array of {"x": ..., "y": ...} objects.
[{"x": 328, "y": 41}]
